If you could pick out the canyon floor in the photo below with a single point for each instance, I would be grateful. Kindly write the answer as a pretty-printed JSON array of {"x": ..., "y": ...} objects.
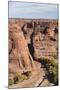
[{"x": 36, "y": 80}]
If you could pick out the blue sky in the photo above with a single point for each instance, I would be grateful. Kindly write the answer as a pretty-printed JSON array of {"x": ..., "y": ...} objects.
[{"x": 33, "y": 10}]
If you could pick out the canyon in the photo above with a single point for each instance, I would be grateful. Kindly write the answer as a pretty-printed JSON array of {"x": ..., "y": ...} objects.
[{"x": 30, "y": 40}]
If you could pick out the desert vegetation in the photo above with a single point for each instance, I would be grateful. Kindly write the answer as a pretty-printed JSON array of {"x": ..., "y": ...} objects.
[
  {"x": 20, "y": 78},
  {"x": 52, "y": 69}
]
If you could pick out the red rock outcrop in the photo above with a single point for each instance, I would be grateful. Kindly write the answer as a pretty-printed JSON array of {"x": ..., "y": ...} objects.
[
  {"x": 19, "y": 56},
  {"x": 40, "y": 35}
]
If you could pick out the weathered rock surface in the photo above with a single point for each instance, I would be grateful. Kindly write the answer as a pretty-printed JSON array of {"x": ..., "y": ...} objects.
[
  {"x": 28, "y": 40},
  {"x": 19, "y": 56}
]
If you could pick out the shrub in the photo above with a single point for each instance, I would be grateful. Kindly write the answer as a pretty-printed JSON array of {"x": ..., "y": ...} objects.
[
  {"x": 24, "y": 77},
  {"x": 55, "y": 56},
  {"x": 10, "y": 81},
  {"x": 52, "y": 68},
  {"x": 18, "y": 78},
  {"x": 50, "y": 62},
  {"x": 27, "y": 74},
  {"x": 53, "y": 71}
]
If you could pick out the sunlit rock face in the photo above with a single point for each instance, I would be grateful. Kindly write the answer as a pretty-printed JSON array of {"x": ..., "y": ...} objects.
[
  {"x": 30, "y": 40},
  {"x": 20, "y": 59}
]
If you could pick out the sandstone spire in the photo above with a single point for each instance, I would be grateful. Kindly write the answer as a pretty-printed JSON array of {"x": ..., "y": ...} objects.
[{"x": 21, "y": 51}]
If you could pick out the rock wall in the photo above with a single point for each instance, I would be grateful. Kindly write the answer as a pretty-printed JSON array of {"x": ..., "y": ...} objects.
[
  {"x": 19, "y": 55},
  {"x": 31, "y": 39}
]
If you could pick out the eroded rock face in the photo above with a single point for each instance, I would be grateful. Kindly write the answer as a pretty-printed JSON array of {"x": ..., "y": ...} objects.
[
  {"x": 45, "y": 44},
  {"x": 27, "y": 30},
  {"x": 30, "y": 39},
  {"x": 19, "y": 55}
]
